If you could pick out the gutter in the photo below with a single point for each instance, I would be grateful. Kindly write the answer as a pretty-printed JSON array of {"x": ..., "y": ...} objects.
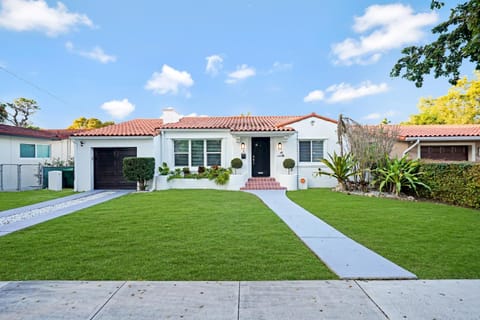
[{"x": 441, "y": 139}]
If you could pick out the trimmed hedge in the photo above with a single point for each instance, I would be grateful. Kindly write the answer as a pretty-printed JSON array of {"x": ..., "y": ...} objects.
[
  {"x": 454, "y": 183},
  {"x": 139, "y": 169}
]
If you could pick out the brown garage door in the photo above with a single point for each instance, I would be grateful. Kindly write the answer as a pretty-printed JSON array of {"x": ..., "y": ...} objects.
[
  {"x": 108, "y": 164},
  {"x": 448, "y": 153}
]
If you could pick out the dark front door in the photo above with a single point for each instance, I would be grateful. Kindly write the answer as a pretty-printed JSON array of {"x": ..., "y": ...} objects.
[
  {"x": 260, "y": 157},
  {"x": 108, "y": 168}
]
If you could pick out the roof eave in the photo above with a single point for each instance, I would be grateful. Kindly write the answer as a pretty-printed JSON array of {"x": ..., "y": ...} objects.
[{"x": 440, "y": 138}]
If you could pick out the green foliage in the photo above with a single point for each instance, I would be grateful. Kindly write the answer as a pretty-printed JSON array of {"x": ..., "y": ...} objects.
[
  {"x": 397, "y": 174},
  {"x": 90, "y": 123},
  {"x": 18, "y": 112},
  {"x": 236, "y": 163},
  {"x": 139, "y": 169},
  {"x": 220, "y": 175},
  {"x": 57, "y": 162},
  {"x": 460, "y": 105},
  {"x": 458, "y": 40},
  {"x": 341, "y": 168},
  {"x": 289, "y": 164},
  {"x": 164, "y": 170},
  {"x": 454, "y": 183}
]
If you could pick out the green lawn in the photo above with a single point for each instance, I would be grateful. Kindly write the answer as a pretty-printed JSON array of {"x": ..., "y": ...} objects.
[
  {"x": 433, "y": 241},
  {"x": 167, "y": 235},
  {"x": 11, "y": 200}
]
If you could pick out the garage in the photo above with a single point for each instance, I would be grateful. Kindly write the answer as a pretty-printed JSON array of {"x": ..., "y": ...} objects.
[
  {"x": 108, "y": 165},
  {"x": 447, "y": 153}
]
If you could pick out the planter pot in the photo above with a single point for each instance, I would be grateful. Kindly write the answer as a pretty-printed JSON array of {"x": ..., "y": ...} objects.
[{"x": 288, "y": 181}]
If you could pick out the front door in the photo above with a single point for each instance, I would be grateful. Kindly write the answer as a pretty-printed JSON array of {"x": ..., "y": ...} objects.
[{"x": 260, "y": 157}]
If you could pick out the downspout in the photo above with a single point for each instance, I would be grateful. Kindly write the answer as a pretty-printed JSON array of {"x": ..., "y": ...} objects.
[
  {"x": 298, "y": 163},
  {"x": 411, "y": 147}
]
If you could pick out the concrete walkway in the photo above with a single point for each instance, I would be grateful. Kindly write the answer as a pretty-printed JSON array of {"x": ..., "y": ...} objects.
[
  {"x": 277, "y": 300},
  {"x": 24, "y": 217},
  {"x": 347, "y": 258}
]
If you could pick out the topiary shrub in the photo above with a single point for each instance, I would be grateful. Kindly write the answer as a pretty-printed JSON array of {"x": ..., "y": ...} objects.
[
  {"x": 139, "y": 169},
  {"x": 236, "y": 163},
  {"x": 289, "y": 164}
]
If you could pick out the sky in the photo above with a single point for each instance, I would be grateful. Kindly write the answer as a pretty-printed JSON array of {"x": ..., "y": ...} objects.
[{"x": 122, "y": 60}]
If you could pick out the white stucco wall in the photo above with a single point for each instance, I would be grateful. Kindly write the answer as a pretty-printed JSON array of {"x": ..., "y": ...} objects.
[{"x": 84, "y": 154}]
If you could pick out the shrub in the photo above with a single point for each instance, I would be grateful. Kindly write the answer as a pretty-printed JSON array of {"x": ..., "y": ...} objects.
[
  {"x": 453, "y": 183},
  {"x": 139, "y": 169},
  {"x": 164, "y": 170},
  {"x": 186, "y": 171},
  {"x": 289, "y": 164},
  {"x": 397, "y": 174},
  {"x": 221, "y": 176},
  {"x": 236, "y": 163},
  {"x": 201, "y": 169},
  {"x": 342, "y": 167}
]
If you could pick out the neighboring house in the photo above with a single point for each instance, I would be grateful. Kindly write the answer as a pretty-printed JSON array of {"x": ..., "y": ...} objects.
[
  {"x": 262, "y": 142},
  {"x": 439, "y": 142},
  {"x": 23, "y": 150}
]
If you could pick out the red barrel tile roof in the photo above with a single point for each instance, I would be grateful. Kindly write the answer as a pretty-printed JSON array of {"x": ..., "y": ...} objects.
[
  {"x": 136, "y": 127},
  {"x": 423, "y": 131},
  {"x": 53, "y": 134}
]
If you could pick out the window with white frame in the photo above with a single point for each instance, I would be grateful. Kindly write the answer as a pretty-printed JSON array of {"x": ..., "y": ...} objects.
[
  {"x": 311, "y": 150},
  {"x": 31, "y": 150},
  {"x": 197, "y": 152}
]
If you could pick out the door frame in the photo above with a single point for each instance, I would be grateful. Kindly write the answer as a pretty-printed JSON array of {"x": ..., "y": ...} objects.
[{"x": 265, "y": 156}]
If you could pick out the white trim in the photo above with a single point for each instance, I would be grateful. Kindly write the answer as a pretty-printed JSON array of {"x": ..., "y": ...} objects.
[{"x": 441, "y": 139}]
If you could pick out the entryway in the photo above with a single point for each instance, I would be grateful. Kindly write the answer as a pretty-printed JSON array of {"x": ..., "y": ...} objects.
[
  {"x": 108, "y": 168},
  {"x": 261, "y": 157}
]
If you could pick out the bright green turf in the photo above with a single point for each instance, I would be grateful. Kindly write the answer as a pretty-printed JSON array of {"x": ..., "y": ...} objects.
[
  {"x": 14, "y": 199},
  {"x": 434, "y": 241},
  {"x": 166, "y": 235}
]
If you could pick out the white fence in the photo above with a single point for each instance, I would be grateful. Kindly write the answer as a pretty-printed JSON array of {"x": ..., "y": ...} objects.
[{"x": 20, "y": 176}]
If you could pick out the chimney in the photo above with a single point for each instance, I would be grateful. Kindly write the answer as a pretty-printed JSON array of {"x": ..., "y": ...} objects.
[{"x": 169, "y": 115}]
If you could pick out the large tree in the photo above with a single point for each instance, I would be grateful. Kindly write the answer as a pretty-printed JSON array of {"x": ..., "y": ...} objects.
[
  {"x": 18, "y": 112},
  {"x": 461, "y": 105},
  {"x": 458, "y": 40},
  {"x": 90, "y": 123}
]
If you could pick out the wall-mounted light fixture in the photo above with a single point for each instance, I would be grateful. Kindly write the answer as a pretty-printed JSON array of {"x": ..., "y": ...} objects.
[
  {"x": 279, "y": 147},
  {"x": 242, "y": 147},
  {"x": 312, "y": 122},
  {"x": 82, "y": 143}
]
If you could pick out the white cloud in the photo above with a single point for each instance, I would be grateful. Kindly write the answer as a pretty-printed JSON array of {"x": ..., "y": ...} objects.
[
  {"x": 345, "y": 92},
  {"x": 279, "y": 67},
  {"x": 315, "y": 95},
  {"x": 214, "y": 64},
  {"x": 242, "y": 72},
  {"x": 96, "y": 53},
  {"x": 391, "y": 26},
  {"x": 373, "y": 116},
  {"x": 169, "y": 81},
  {"x": 383, "y": 115},
  {"x": 27, "y": 15},
  {"x": 118, "y": 109}
]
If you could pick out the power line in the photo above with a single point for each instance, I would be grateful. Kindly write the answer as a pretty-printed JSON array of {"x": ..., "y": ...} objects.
[{"x": 13, "y": 74}]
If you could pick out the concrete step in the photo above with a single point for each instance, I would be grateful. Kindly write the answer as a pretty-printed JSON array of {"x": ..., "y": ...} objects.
[{"x": 261, "y": 183}]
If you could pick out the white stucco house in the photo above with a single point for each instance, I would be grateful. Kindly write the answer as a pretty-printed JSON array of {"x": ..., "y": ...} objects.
[
  {"x": 24, "y": 150},
  {"x": 262, "y": 142}
]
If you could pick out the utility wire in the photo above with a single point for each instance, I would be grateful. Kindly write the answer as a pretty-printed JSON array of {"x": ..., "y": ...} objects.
[{"x": 33, "y": 85}]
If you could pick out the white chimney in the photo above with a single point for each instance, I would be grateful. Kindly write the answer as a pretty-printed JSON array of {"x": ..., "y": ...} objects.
[{"x": 169, "y": 115}]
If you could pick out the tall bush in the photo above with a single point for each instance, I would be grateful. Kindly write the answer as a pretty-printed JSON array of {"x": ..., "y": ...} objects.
[
  {"x": 454, "y": 183},
  {"x": 139, "y": 169},
  {"x": 341, "y": 168}
]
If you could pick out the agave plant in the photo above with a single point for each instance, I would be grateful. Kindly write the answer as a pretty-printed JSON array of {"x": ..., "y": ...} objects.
[
  {"x": 397, "y": 174},
  {"x": 341, "y": 168}
]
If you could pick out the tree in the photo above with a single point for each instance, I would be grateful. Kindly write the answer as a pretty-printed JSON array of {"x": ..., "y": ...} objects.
[
  {"x": 139, "y": 169},
  {"x": 18, "y": 112},
  {"x": 461, "y": 105},
  {"x": 91, "y": 123},
  {"x": 458, "y": 40}
]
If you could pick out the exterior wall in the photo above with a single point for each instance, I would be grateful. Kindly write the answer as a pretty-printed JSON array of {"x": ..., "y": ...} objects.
[
  {"x": 84, "y": 155},
  {"x": 10, "y": 157},
  {"x": 401, "y": 146}
]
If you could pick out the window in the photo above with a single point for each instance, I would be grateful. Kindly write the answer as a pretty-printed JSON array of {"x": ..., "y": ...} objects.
[
  {"x": 195, "y": 153},
  {"x": 34, "y": 151},
  {"x": 311, "y": 150}
]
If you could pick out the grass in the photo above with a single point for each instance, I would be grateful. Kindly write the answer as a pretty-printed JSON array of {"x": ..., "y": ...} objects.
[
  {"x": 433, "y": 241},
  {"x": 167, "y": 235},
  {"x": 16, "y": 199}
]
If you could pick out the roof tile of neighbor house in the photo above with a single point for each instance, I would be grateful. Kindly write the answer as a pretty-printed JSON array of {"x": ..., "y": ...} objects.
[
  {"x": 241, "y": 123},
  {"x": 53, "y": 134},
  {"x": 422, "y": 131},
  {"x": 136, "y": 127}
]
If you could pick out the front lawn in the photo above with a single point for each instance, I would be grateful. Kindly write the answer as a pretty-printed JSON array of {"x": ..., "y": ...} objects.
[
  {"x": 16, "y": 199},
  {"x": 166, "y": 235},
  {"x": 433, "y": 241}
]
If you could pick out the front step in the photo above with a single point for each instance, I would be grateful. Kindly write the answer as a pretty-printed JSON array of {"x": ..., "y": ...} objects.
[{"x": 262, "y": 184}]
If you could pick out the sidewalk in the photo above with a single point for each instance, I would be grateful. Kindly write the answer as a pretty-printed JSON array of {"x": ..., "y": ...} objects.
[
  {"x": 276, "y": 300},
  {"x": 24, "y": 217},
  {"x": 347, "y": 258}
]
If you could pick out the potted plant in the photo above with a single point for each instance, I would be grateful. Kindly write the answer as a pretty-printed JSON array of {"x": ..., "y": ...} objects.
[
  {"x": 162, "y": 179},
  {"x": 236, "y": 163},
  {"x": 288, "y": 180}
]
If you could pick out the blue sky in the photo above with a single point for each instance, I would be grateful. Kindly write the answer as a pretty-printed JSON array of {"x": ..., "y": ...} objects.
[{"x": 120, "y": 60}]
